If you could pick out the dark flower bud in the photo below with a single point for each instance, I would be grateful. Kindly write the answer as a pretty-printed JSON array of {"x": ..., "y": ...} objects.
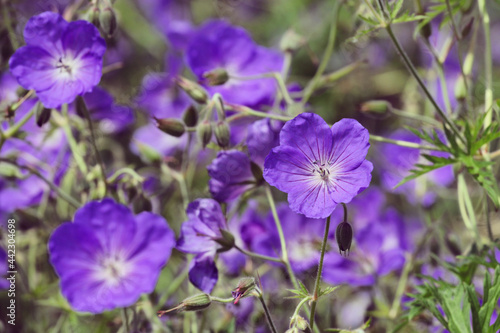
[
  {"x": 80, "y": 107},
  {"x": 227, "y": 241},
  {"x": 467, "y": 29},
  {"x": 426, "y": 31},
  {"x": 246, "y": 286},
  {"x": 256, "y": 172},
  {"x": 193, "y": 303},
  {"x": 222, "y": 134},
  {"x": 42, "y": 115},
  {"x": 291, "y": 41},
  {"x": 107, "y": 20},
  {"x": 343, "y": 234},
  {"x": 142, "y": 204},
  {"x": 452, "y": 245},
  {"x": 376, "y": 106},
  {"x": 204, "y": 132},
  {"x": 460, "y": 89},
  {"x": 171, "y": 126},
  {"x": 93, "y": 17},
  {"x": 216, "y": 77},
  {"x": 190, "y": 116},
  {"x": 194, "y": 90}
]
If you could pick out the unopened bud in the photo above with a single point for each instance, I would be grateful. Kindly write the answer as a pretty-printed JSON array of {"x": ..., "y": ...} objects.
[
  {"x": 216, "y": 77},
  {"x": 107, "y": 21},
  {"x": 81, "y": 107},
  {"x": 467, "y": 29},
  {"x": 93, "y": 17},
  {"x": 222, "y": 134},
  {"x": 245, "y": 288},
  {"x": 426, "y": 31},
  {"x": 291, "y": 41},
  {"x": 460, "y": 89},
  {"x": 376, "y": 106},
  {"x": 227, "y": 241},
  {"x": 343, "y": 234},
  {"x": 452, "y": 245},
  {"x": 194, "y": 90},
  {"x": 190, "y": 116},
  {"x": 171, "y": 126},
  {"x": 204, "y": 132},
  {"x": 142, "y": 204},
  {"x": 193, "y": 303},
  {"x": 42, "y": 115},
  {"x": 256, "y": 172}
]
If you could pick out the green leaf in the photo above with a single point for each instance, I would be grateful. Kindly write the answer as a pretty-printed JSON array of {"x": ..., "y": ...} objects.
[
  {"x": 422, "y": 169},
  {"x": 369, "y": 21}
]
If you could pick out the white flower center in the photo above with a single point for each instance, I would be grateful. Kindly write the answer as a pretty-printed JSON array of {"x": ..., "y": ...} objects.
[
  {"x": 112, "y": 269},
  {"x": 322, "y": 170},
  {"x": 67, "y": 66}
]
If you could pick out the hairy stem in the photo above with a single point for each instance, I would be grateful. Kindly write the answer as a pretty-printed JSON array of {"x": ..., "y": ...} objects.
[
  {"x": 320, "y": 270},
  {"x": 268, "y": 314},
  {"x": 256, "y": 255}
]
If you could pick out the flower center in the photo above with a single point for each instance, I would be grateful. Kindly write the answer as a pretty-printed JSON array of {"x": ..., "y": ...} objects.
[
  {"x": 322, "y": 169},
  {"x": 113, "y": 269}
]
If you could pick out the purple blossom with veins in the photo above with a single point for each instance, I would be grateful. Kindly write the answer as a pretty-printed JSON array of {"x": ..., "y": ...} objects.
[
  {"x": 203, "y": 234},
  {"x": 263, "y": 135},
  {"x": 396, "y": 163},
  {"x": 60, "y": 61},
  {"x": 318, "y": 166},
  {"x": 230, "y": 175},
  {"x": 108, "y": 257},
  {"x": 218, "y": 45}
]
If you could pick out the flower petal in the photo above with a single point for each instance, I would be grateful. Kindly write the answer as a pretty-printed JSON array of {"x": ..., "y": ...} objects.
[
  {"x": 348, "y": 184},
  {"x": 34, "y": 68},
  {"x": 350, "y": 144},
  {"x": 203, "y": 273},
  {"x": 45, "y": 31},
  {"x": 312, "y": 200},
  {"x": 309, "y": 134}
]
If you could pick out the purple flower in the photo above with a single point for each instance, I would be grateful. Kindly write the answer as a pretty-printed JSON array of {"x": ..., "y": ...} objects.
[
  {"x": 318, "y": 166},
  {"x": 219, "y": 45},
  {"x": 113, "y": 118},
  {"x": 230, "y": 175},
  {"x": 108, "y": 257},
  {"x": 160, "y": 97},
  {"x": 263, "y": 135},
  {"x": 303, "y": 236},
  {"x": 396, "y": 163},
  {"x": 201, "y": 234},
  {"x": 60, "y": 61}
]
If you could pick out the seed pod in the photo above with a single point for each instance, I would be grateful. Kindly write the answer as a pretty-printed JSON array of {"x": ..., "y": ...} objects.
[
  {"x": 42, "y": 115},
  {"x": 299, "y": 323},
  {"x": 171, "y": 126},
  {"x": 194, "y": 90},
  {"x": 190, "y": 116},
  {"x": 343, "y": 234},
  {"x": 222, "y": 134},
  {"x": 107, "y": 20},
  {"x": 216, "y": 77},
  {"x": 204, "y": 132}
]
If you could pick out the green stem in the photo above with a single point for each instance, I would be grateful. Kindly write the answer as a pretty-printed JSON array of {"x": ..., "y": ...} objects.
[
  {"x": 53, "y": 186},
  {"x": 415, "y": 74},
  {"x": 299, "y": 306},
  {"x": 125, "y": 171},
  {"x": 402, "y": 143},
  {"x": 93, "y": 141},
  {"x": 173, "y": 287},
  {"x": 249, "y": 112},
  {"x": 222, "y": 300},
  {"x": 284, "y": 252},
  {"x": 418, "y": 117},
  {"x": 320, "y": 270},
  {"x": 125, "y": 320},
  {"x": 63, "y": 121},
  {"x": 274, "y": 75},
  {"x": 338, "y": 74},
  {"x": 326, "y": 55},
  {"x": 17, "y": 126},
  {"x": 393, "y": 312},
  {"x": 488, "y": 63},
  {"x": 268, "y": 314},
  {"x": 256, "y": 255}
]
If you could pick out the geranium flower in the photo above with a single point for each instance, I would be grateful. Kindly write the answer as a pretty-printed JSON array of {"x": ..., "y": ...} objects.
[
  {"x": 203, "y": 234},
  {"x": 108, "y": 257},
  {"x": 217, "y": 45},
  {"x": 60, "y": 61},
  {"x": 318, "y": 166}
]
